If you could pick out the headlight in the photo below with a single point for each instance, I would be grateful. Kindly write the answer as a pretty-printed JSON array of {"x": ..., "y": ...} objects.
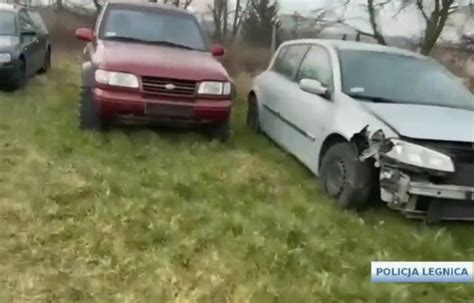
[
  {"x": 215, "y": 88},
  {"x": 420, "y": 156},
  {"x": 5, "y": 58},
  {"x": 116, "y": 79}
]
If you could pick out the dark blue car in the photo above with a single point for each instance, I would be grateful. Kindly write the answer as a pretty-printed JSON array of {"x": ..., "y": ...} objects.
[{"x": 25, "y": 49}]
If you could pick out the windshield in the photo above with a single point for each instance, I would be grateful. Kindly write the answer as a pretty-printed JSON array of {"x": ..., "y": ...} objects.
[
  {"x": 7, "y": 24},
  {"x": 153, "y": 26},
  {"x": 384, "y": 77}
]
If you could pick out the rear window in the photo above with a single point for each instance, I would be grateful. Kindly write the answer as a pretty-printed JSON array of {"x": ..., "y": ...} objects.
[{"x": 7, "y": 24}]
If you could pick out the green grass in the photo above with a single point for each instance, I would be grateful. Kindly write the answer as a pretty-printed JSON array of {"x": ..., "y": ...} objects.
[{"x": 140, "y": 215}]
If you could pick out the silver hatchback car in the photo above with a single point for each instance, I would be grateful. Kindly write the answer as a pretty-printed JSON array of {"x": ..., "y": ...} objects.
[{"x": 373, "y": 123}]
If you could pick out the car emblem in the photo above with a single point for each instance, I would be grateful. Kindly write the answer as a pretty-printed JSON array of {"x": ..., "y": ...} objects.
[{"x": 170, "y": 86}]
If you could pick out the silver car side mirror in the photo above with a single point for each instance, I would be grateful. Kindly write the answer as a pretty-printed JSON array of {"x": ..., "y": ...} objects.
[{"x": 313, "y": 87}]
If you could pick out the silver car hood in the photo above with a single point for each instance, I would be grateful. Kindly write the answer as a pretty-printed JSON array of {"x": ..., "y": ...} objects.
[{"x": 425, "y": 121}]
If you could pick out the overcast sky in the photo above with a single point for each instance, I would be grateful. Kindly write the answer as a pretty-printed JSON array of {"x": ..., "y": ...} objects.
[{"x": 408, "y": 23}]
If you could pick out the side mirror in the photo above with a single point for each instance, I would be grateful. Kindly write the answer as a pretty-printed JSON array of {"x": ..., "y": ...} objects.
[
  {"x": 314, "y": 87},
  {"x": 84, "y": 34},
  {"x": 217, "y": 51}
]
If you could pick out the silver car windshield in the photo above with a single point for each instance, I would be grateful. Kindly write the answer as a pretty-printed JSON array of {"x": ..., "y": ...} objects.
[
  {"x": 394, "y": 78},
  {"x": 7, "y": 23}
]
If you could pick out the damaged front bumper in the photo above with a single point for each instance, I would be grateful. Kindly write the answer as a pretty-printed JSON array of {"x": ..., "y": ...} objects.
[
  {"x": 417, "y": 197},
  {"x": 440, "y": 187}
]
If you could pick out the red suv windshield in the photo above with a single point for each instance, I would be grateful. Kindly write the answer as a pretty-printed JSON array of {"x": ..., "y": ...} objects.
[{"x": 152, "y": 26}]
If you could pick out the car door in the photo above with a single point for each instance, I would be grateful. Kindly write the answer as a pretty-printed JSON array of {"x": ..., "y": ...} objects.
[
  {"x": 282, "y": 80},
  {"x": 42, "y": 31},
  {"x": 311, "y": 114},
  {"x": 268, "y": 96},
  {"x": 29, "y": 42}
]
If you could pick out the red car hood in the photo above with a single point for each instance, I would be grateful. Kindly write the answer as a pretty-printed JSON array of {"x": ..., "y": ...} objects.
[{"x": 159, "y": 61}]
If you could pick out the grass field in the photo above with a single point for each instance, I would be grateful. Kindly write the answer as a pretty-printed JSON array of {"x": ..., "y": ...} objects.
[{"x": 141, "y": 215}]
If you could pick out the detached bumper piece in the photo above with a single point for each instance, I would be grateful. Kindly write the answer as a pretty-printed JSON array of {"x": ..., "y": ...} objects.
[
  {"x": 418, "y": 197},
  {"x": 454, "y": 192}
]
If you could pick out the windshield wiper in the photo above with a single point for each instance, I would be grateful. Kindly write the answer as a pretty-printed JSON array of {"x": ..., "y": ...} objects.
[
  {"x": 376, "y": 99},
  {"x": 121, "y": 38},
  {"x": 172, "y": 44},
  {"x": 148, "y": 41}
]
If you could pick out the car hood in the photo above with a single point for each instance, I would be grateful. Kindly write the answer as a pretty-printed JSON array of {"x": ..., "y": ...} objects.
[
  {"x": 425, "y": 121},
  {"x": 159, "y": 61},
  {"x": 8, "y": 44}
]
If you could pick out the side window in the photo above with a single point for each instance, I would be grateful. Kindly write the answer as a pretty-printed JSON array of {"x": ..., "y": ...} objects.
[
  {"x": 277, "y": 66},
  {"x": 25, "y": 21},
  {"x": 290, "y": 63},
  {"x": 39, "y": 23},
  {"x": 317, "y": 66}
]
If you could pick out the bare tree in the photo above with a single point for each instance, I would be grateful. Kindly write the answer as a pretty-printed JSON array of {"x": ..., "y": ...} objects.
[
  {"x": 98, "y": 5},
  {"x": 435, "y": 21},
  {"x": 373, "y": 9},
  {"x": 434, "y": 12},
  {"x": 222, "y": 15},
  {"x": 179, "y": 3}
]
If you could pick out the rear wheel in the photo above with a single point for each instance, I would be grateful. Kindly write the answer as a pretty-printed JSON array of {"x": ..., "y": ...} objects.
[
  {"x": 89, "y": 118},
  {"x": 47, "y": 63},
  {"x": 253, "y": 118},
  {"x": 346, "y": 179}
]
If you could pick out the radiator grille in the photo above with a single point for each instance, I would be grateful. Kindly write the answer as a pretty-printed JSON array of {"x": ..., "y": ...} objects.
[{"x": 169, "y": 87}]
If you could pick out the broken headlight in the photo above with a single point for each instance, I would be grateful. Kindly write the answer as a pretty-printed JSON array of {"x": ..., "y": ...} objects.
[{"x": 417, "y": 155}]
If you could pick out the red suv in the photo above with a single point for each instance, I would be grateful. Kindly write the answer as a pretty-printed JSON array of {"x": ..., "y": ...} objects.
[{"x": 152, "y": 62}]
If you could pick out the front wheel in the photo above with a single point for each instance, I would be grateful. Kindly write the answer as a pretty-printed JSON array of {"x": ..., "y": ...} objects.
[
  {"x": 19, "y": 77},
  {"x": 89, "y": 118},
  {"x": 253, "y": 118},
  {"x": 346, "y": 179},
  {"x": 221, "y": 131}
]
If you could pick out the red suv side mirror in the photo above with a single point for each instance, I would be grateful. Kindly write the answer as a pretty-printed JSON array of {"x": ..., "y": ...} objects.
[
  {"x": 85, "y": 34},
  {"x": 217, "y": 51}
]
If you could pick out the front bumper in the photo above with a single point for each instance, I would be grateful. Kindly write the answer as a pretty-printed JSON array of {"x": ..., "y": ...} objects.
[
  {"x": 7, "y": 71},
  {"x": 417, "y": 196},
  {"x": 113, "y": 104}
]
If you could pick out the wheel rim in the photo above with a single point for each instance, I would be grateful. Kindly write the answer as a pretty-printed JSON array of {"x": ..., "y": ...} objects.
[{"x": 336, "y": 178}]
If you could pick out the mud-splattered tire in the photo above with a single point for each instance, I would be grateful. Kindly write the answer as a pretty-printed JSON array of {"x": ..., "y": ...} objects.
[
  {"x": 253, "y": 118},
  {"x": 89, "y": 118},
  {"x": 348, "y": 181},
  {"x": 221, "y": 131}
]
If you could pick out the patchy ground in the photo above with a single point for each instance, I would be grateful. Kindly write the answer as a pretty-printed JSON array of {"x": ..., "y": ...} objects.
[{"x": 139, "y": 215}]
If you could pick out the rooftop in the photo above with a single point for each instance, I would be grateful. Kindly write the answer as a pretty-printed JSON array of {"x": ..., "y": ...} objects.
[{"x": 354, "y": 45}]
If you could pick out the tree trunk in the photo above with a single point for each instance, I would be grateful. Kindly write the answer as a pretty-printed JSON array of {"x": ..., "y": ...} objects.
[
  {"x": 373, "y": 22},
  {"x": 435, "y": 23}
]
